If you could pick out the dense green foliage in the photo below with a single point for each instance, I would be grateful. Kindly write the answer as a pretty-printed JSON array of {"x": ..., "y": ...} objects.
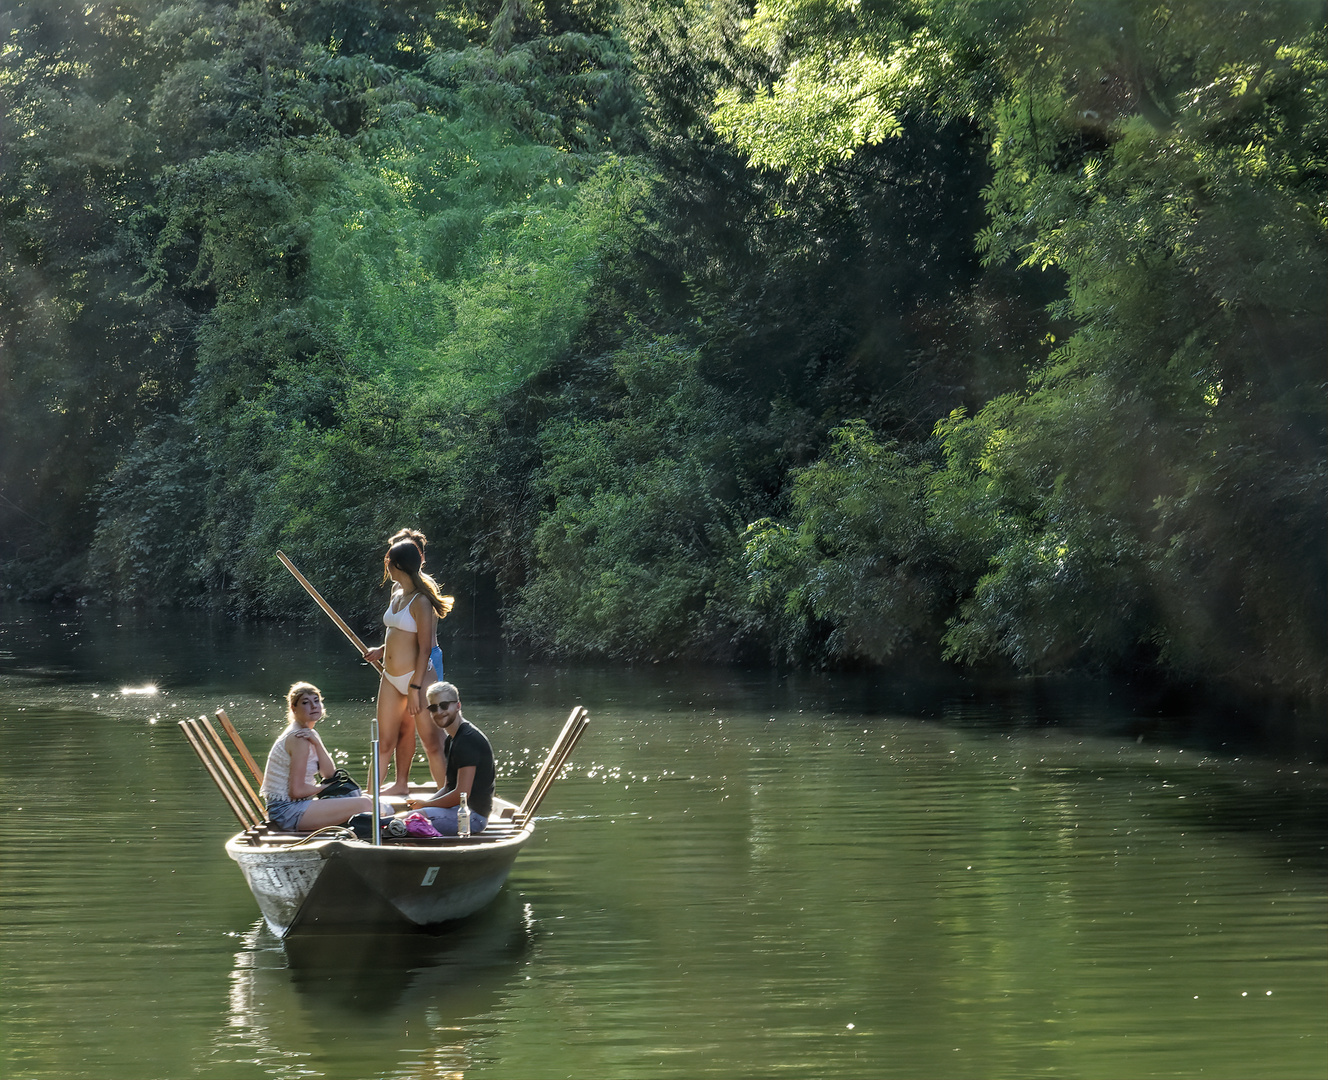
[
  {"x": 855, "y": 332},
  {"x": 1161, "y": 478}
]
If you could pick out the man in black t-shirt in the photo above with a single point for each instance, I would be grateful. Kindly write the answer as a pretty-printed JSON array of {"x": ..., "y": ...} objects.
[{"x": 470, "y": 765}]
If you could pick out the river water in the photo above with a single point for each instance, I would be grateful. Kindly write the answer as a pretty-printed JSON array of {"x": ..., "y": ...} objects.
[{"x": 742, "y": 875}]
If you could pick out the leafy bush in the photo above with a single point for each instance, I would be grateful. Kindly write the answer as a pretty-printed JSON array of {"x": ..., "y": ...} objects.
[
  {"x": 630, "y": 554},
  {"x": 860, "y": 559}
]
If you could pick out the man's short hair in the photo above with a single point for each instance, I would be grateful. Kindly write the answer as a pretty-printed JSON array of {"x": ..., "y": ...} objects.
[{"x": 445, "y": 690}]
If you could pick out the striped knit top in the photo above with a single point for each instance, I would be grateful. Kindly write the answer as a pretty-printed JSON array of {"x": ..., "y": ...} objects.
[{"x": 276, "y": 774}]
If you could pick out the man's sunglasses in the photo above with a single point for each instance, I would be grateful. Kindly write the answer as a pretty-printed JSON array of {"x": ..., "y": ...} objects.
[{"x": 440, "y": 706}]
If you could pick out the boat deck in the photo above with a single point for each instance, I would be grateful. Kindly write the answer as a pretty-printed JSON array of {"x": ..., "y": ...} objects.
[{"x": 502, "y": 826}]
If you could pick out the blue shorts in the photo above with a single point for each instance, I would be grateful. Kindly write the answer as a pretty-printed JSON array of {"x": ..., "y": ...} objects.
[
  {"x": 444, "y": 819},
  {"x": 285, "y": 814},
  {"x": 436, "y": 659}
]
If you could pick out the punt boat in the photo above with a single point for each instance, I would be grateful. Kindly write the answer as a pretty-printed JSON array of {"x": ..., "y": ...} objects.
[{"x": 331, "y": 880}]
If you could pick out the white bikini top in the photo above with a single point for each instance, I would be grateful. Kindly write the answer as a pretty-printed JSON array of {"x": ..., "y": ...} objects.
[{"x": 400, "y": 620}]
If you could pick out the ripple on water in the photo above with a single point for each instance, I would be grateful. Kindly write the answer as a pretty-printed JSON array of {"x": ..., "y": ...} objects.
[{"x": 703, "y": 899}]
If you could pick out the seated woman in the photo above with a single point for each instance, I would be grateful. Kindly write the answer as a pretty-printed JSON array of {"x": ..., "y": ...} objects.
[{"x": 289, "y": 787}]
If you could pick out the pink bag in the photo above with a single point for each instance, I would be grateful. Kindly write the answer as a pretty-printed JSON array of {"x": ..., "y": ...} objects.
[{"x": 419, "y": 825}]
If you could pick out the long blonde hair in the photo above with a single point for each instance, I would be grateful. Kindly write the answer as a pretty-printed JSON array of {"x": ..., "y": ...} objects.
[{"x": 408, "y": 556}]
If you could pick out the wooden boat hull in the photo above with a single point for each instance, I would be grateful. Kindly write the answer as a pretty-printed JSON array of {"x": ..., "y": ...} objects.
[{"x": 351, "y": 884}]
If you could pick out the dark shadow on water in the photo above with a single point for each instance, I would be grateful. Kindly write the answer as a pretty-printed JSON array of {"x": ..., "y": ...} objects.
[
  {"x": 214, "y": 654},
  {"x": 347, "y": 1004},
  {"x": 465, "y": 963}
]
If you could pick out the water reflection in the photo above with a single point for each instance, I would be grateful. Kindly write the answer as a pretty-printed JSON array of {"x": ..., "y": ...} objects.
[
  {"x": 383, "y": 999},
  {"x": 740, "y": 876}
]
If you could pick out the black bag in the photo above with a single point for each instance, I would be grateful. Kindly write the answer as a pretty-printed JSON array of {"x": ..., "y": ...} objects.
[
  {"x": 362, "y": 825},
  {"x": 339, "y": 786}
]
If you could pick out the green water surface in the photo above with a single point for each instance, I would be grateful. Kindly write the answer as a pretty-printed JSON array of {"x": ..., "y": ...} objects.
[{"x": 741, "y": 875}]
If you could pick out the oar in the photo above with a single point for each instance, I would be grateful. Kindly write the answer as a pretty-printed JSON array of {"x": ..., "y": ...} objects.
[
  {"x": 328, "y": 608},
  {"x": 233, "y": 769},
  {"x": 249, "y": 816},
  {"x": 239, "y": 745},
  {"x": 572, "y": 720},
  {"x": 530, "y": 804}
]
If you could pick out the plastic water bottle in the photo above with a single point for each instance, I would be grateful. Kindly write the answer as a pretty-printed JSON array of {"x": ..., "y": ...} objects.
[{"x": 463, "y": 817}]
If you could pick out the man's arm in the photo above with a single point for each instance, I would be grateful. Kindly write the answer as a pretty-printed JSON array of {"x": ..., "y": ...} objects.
[{"x": 451, "y": 797}]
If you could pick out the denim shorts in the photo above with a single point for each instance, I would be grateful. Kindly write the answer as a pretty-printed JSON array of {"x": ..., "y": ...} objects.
[
  {"x": 285, "y": 814},
  {"x": 444, "y": 819},
  {"x": 436, "y": 659}
]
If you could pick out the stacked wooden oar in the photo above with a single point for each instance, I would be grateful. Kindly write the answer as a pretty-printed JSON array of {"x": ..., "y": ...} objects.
[
  {"x": 230, "y": 779},
  {"x": 561, "y": 750}
]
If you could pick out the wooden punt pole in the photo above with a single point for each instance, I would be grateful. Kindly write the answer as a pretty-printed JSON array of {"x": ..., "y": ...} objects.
[
  {"x": 327, "y": 608},
  {"x": 239, "y": 745}
]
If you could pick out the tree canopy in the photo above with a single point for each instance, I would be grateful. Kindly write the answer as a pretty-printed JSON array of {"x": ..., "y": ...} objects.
[{"x": 846, "y": 332}]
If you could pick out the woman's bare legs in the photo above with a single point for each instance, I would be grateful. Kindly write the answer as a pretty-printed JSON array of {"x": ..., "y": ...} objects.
[
  {"x": 437, "y": 763},
  {"x": 429, "y": 737},
  {"x": 322, "y": 812},
  {"x": 405, "y": 752},
  {"x": 394, "y": 721}
]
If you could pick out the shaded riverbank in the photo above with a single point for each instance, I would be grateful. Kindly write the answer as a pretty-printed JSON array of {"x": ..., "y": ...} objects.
[{"x": 97, "y": 644}]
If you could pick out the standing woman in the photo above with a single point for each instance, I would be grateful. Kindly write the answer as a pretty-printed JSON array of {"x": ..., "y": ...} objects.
[
  {"x": 411, "y": 615},
  {"x": 437, "y": 763},
  {"x": 289, "y": 788},
  {"x": 435, "y": 653}
]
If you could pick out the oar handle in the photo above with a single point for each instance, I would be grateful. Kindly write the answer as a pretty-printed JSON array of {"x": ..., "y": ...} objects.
[{"x": 328, "y": 608}]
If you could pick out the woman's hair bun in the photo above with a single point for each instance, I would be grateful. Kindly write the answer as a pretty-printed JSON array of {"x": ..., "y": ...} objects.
[{"x": 408, "y": 534}]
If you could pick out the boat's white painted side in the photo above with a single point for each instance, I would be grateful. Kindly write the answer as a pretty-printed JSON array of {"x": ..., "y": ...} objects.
[{"x": 279, "y": 877}]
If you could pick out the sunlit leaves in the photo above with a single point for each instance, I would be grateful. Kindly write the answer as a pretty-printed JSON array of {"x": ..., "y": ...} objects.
[
  {"x": 1168, "y": 161},
  {"x": 466, "y": 288},
  {"x": 814, "y": 117}
]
